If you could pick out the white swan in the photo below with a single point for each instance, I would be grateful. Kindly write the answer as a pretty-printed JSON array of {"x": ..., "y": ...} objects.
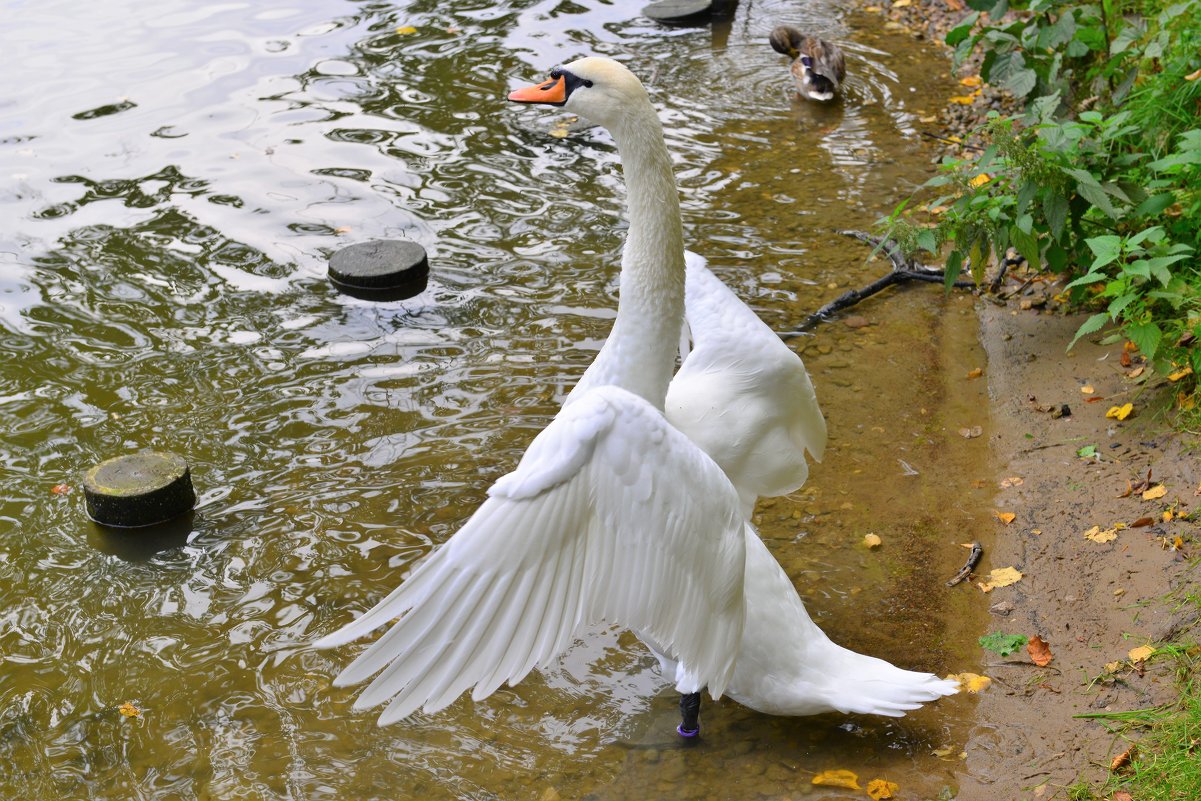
[{"x": 614, "y": 514}]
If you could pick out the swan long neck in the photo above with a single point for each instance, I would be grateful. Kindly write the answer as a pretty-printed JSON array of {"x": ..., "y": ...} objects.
[{"x": 640, "y": 353}]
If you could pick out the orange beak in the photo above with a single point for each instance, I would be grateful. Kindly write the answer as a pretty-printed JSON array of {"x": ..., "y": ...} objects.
[{"x": 552, "y": 92}]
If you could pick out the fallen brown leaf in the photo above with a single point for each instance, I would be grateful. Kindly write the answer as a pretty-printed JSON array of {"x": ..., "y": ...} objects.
[
  {"x": 1040, "y": 652},
  {"x": 978, "y": 371},
  {"x": 1122, "y": 760},
  {"x": 1124, "y": 359},
  {"x": 1142, "y": 522},
  {"x": 1122, "y": 795}
]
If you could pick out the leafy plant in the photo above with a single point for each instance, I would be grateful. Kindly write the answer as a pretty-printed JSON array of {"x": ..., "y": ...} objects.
[{"x": 1098, "y": 179}]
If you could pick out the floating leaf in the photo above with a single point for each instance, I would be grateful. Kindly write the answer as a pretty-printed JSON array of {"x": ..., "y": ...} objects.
[
  {"x": 963, "y": 100},
  {"x": 971, "y": 683},
  {"x": 1158, "y": 491},
  {"x": 128, "y": 710},
  {"x": 342, "y": 229},
  {"x": 872, "y": 540},
  {"x": 405, "y": 30},
  {"x": 880, "y": 790},
  {"x": 1004, "y": 517},
  {"x": 1040, "y": 652},
  {"x": 1141, "y": 653},
  {"x": 1120, "y": 412},
  {"x": 1000, "y": 577},
  {"x": 971, "y": 433},
  {"x": 976, "y": 373},
  {"x": 1012, "y": 481},
  {"x": 1002, "y": 644},
  {"x": 838, "y": 778},
  {"x": 60, "y": 489}
]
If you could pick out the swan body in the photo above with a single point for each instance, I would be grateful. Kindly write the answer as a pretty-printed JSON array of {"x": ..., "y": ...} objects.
[
  {"x": 614, "y": 513},
  {"x": 818, "y": 67}
]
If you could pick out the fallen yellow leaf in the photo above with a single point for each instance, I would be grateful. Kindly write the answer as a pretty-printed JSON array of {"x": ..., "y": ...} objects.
[
  {"x": 1192, "y": 76},
  {"x": 1179, "y": 374},
  {"x": 1113, "y": 667},
  {"x": 1087, "y": 389},
  {"x": 976, "y": 373},
  {"x": 980, "y": 180},
  {"x": 1004, "y": 517},
  {"x": 880, "y": 790},
  {"x": 971, "y": 80},
  {"x": 1096, "y": 534},
  {"x": 963, "y": 100},
  {"x": 1000, "y": 577},
  {"x": 406, "y": 30},
  {"x": 1140, "y": 653},
  {"x": 1012, "y": 481},
  {"x": 872, "y": 540},
  {"x": 1157, "y": 491},
  {"x": 838, "y": 778},
  {"x": 902, "y": 3},
  {"x": 1136, "y": 372},
  {"x": 1120, "y": 412},
  {"x": 1167, "y": 516},
  {"x": 129, "y": 710},
  {"x": 971, "y": 683}
]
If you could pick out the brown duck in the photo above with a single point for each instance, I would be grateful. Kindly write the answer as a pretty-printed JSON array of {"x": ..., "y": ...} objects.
[{"x": 818, "y": 66}]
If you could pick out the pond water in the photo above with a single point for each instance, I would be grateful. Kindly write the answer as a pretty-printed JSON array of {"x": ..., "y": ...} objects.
[{"x": 175, "y": 177}]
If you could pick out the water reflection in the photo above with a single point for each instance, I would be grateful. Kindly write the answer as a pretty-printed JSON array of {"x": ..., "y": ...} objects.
[{"x": 177, "y": 177}]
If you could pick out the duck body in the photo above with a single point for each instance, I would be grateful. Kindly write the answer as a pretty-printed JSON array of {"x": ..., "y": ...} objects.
[{"x": 818, "y": 66}]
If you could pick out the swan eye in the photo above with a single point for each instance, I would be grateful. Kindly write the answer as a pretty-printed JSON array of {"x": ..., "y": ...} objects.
[
  {"x": 588, "y": 84},
  {"x": 556, "y": 73}
]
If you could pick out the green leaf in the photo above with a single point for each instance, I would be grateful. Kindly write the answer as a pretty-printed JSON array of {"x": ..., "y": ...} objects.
[
  {"x": 1146, "y": 336},
  {"x": 1002, "y": 644},
  {"x": 927, "y": 241},
  {"x": 1096, "y": 196},
  {"x": 1158, "y": 267},
  {"x": 1105, "y": 248},
  {"x": 1009, "y": 71},
  {"x": 953, "y": 269},
  {"x": 1087, "y": 452},
  {"x": 1154, "y": 205},
  {"x": 1090, "y": 325},
  {"x": 1058, "y": 34},
  {"x": 1026, "y": 244},
  {"x": 963, "y": 29},
  {"x": 1119, "y": 304},
  {"x": 1055, "y": 209},
  {"x": 1090, "y": 278}
]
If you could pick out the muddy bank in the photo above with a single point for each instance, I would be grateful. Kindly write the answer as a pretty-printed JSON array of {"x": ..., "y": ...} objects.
[{"x": 1091, "y": 601}]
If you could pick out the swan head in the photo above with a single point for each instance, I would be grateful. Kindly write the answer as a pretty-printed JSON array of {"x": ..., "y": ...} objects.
[{"x": 599, "y": 89}]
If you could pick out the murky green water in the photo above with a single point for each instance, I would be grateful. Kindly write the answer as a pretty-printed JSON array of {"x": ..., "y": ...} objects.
[{"x": 174, "y": 177}]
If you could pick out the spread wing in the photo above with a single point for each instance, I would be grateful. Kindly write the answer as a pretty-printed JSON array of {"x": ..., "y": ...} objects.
[
  {"x": 742, "y": 394},
  {"x": 611, "y": 515}
]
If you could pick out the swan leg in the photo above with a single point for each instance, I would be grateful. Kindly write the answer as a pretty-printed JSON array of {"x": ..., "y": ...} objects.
[{"x": 690, "y": 714}]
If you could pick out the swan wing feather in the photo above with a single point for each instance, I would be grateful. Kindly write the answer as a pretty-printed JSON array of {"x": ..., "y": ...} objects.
[{"x": 611, "y": 515}]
